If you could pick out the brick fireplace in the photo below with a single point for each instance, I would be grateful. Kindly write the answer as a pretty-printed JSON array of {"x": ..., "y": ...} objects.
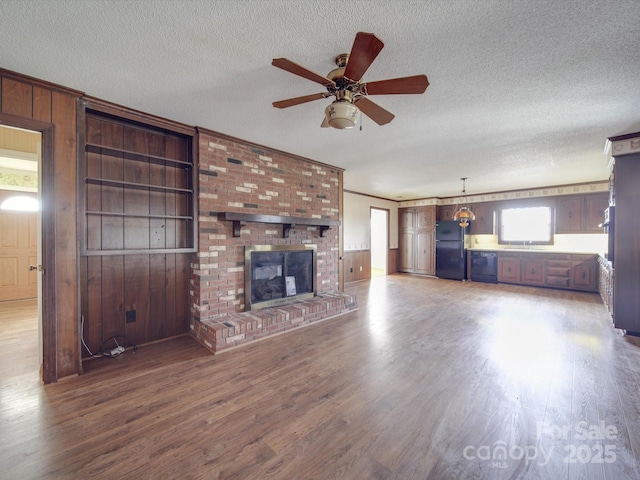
[{"x": 265, "y": 189}]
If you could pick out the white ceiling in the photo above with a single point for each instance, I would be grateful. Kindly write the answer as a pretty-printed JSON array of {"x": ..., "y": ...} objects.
[{"x": 523, "y": 94}]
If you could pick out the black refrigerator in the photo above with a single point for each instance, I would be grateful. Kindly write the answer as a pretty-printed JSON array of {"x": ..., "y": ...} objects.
[{"x": 450, "y": 251}]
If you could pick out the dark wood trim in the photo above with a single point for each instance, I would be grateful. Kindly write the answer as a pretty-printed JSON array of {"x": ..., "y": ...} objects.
[
  {"x": 263, "y": 147},
  {"x": 624, "y": 137},
  {"x": 375, "y": 196},
  {"x": 194, "y": 154},
  {"x": 36, "y": 82},
  {"x": 141, "y": 118}
]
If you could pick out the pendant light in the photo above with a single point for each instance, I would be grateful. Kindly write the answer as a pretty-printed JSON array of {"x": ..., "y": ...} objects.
[{"x": 462, "y": 213}]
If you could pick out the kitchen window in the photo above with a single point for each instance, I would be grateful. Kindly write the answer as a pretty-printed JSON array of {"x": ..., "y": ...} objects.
[{"x": 528, "y": 226}]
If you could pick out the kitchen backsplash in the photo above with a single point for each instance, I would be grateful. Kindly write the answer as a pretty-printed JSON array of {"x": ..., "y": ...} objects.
[{"x": 585, "y": 243}]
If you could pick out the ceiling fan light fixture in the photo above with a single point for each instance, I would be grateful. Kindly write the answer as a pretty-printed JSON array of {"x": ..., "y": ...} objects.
[{"x": 342, "y": 114}]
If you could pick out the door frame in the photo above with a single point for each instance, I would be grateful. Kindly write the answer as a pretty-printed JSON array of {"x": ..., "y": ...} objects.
[
  {"x": 47, "y": 240},
  {"x": 388, "y": 227}
]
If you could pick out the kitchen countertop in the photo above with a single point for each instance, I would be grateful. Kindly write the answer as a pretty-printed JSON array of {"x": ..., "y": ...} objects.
[{"x": 528, "y": 250}]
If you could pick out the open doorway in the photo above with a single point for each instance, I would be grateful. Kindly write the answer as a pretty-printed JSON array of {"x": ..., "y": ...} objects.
[
  {"x": 379, "y": 241},
  {"x": 20, "y": 253}
]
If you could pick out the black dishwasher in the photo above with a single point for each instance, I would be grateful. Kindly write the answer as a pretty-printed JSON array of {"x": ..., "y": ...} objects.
[{"x": 484, "y": 267}]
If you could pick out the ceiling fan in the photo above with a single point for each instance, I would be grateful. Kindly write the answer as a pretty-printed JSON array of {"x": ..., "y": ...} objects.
[{"x": 345, "y": 84}]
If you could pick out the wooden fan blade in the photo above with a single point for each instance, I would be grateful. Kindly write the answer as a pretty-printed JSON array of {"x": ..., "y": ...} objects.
[
  {"x": 404, "y": 85},
  {"x": 373, "y": 111},
  {"x": 299, "y": 70},
  {"x": 365, "y": 49},
  {"x": 298, "y": 100}
]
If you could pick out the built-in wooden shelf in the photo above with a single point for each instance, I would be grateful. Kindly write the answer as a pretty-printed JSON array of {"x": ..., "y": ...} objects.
[
  {"x": 141, "y": 186},
  {"x": 139, "y": 215},
  {"x": 287, "y": 222},
  {"x": 143, "y": 157}
]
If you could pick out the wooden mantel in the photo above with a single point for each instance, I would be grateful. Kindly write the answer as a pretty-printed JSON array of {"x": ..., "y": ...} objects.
[{"x": 287, "y": 222}]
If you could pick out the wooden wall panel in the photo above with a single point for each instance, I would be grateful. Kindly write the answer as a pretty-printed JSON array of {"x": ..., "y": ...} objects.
[
  {"x": 17, "y": 98},
  {"x": 170, "y": 225},
  {"x": 158, "y": 298},
  {"x": 181, "y": 316},
  {"x": 112, "y": 291},
  {"x": 392, "y": 262},
  {"x": 112, "y": 196},
  {"x": 357, "y": 265},
  {"x": 136, "y": 297},
  {"x": 172, "y": 317},
  {"x": 65, "y": 208},
  {"x": 157, "y": 200},
  {"x": 41, "y": 104},
  {"x": 136, "y": 201}
]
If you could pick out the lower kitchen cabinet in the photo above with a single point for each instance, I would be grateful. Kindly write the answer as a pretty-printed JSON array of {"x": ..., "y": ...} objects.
[
  {"x": 532, "y": 272},
  {"x": 555, "y": 270},
  {"x": 605, "y": 283},
  {"x": 584, "y": 273},
  {"x": 508, "y": 268}
]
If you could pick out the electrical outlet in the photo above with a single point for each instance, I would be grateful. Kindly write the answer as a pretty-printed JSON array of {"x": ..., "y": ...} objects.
[
  {"x": 131, "y": 316},
  {"x": 351, "y": 270}
]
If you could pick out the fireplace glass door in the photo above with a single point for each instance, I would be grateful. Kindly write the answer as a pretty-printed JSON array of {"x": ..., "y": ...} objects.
[{"x": 279, "y": 274}]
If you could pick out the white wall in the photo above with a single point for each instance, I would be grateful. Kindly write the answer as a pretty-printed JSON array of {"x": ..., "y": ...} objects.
[{"x": 357, "y": 220}]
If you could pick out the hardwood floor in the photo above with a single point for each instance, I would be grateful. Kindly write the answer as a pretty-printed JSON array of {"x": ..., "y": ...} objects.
[{"x": 430, "y": 379}]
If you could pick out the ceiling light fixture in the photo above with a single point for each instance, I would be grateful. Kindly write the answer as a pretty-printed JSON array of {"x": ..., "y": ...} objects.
[
  {"x": 342, "y": 113},
  {"x": 462, "y": 213}
]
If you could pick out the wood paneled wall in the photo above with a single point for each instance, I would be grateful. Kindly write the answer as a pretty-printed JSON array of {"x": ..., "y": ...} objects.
[
  {"x": 35, "y": 105},
  {"x": 155, "y": 284},
  {"x": 392, "y": 262},
  {"x": 357, "y": 265}
]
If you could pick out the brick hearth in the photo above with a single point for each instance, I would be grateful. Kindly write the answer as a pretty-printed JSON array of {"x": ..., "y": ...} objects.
[{"x": 227, "y": 331}]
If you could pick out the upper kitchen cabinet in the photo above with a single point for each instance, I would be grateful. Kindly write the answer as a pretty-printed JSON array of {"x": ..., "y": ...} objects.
[
  {"x": 596, "y": 205},
  {"x": 445, "y": 212},
  {"x": 483, "y": 224},
  {"x": 581, "y": 213}
]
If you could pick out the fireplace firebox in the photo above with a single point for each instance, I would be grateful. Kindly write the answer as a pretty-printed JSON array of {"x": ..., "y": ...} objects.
[{"x": 279, "y": 274}]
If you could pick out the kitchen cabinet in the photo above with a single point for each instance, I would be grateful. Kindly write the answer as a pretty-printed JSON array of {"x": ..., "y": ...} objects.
[
  {"x": 581, "y": 213},
  {"x": 508, "y": 267},
  {"x": 555, "y": 270},
  {"x": 416, "y": 239},
  {"x": 605, "y": 283},
  {"x": 532, "y": 272},
  {"x": 483, "y": 224},
  {"x": 445, "y": 212},
  {"x": 569, "y": 214},
  {"x": 595, "y": 206},
  {"x": 584, "y": 272}
]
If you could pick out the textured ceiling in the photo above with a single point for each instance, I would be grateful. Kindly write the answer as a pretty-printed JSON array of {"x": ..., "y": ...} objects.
[{"x": 523, "y": 93}]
